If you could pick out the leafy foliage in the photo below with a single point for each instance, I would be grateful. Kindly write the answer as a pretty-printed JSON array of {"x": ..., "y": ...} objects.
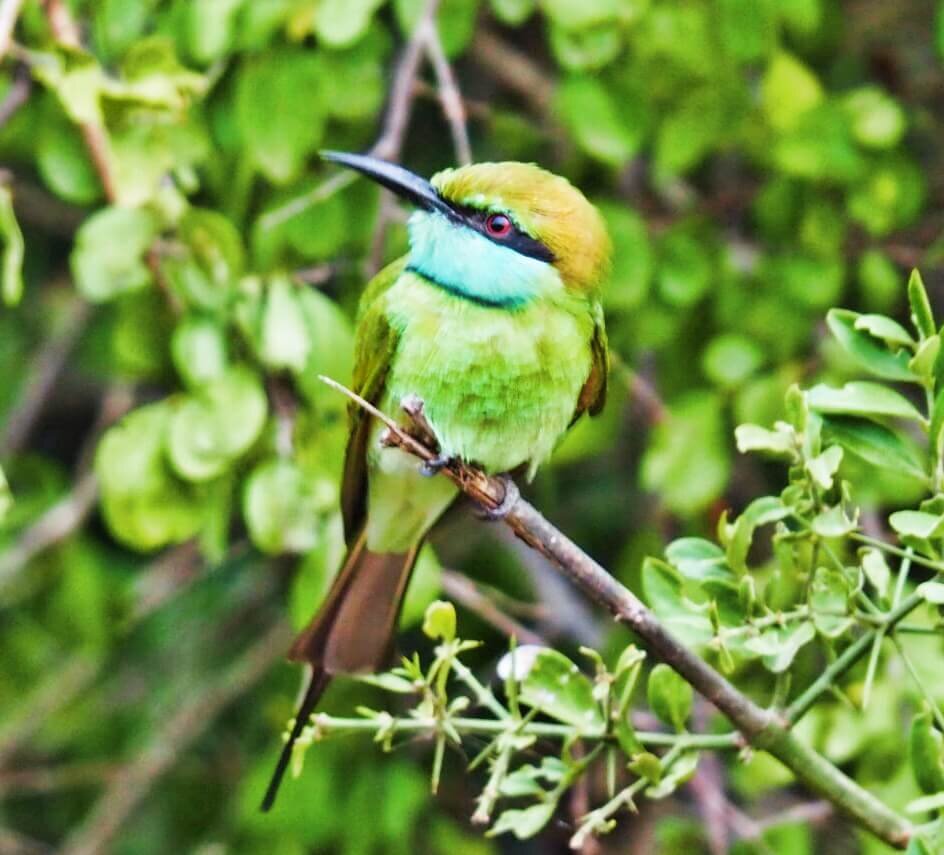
[{"x": 757, "y": 164}]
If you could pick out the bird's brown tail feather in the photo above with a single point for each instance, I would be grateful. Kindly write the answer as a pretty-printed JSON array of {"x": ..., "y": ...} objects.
[{"x": 351, "y": 633}]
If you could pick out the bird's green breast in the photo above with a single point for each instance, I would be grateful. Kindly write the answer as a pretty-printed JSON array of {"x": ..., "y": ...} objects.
[{"x": 500, "y": 385}]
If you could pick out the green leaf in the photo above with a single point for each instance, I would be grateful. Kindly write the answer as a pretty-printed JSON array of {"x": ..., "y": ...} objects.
[
  {"x": 340, "y": 23},
  {"x": 199, "y": 349},
  {"x": 884, "y": 328},
  {"x": 283, "y": 334},
  {"x": 512, "y": 13},
  {"x": 698, "y": 559},
  {"x": 587, "y": 49},
  {"x": 280, "y": 112},
  {"x": 210, "y": 28},
  {"x": 917, "y": 524},
  {"x": 524, "y": 822},
  {"x": 778, "y": 646},
  {"x": 789, "y": 89},
  {"x": 829, "y": 602},
  {"x": 669, "y": 696},
  {"x": 926, "y": 746},
  {"x": 824, "y": 466},
  {"x": 632, "y": 258},
  {"x": 214, "y": 426},
  {"x": 731, "y": 359},
  {"x": 878, "y": 360},
  {"x": 862, "y": 399},
  {"x": 780, "y": 442},
  {"x": 108, "y": 258},
  {"x": 921, "y": 314},
  {"x": 593, "y": 118},
  {"x": 876, "y": 444},
  {"x": 686, "y": 461},
  {"x": 877, "y": 119},
  {"x": 6, "y": 497},
  {"x": 685, "y": 268},
  {"x": 678, "y": 773},
  {"x": 924, "y": 360},
  {"x": 933, "y": 592},
  {"x": 877, "y": 571},
  {"x": 833, "y": 522},
  {"x": 63, "y": 161},
  {"x": 748, "y": 27},
  {"x": 579, "y": 15},
  {"x": 206, "y": 268},
  {"x": 556, "y": 687},
  {"x": 12, "y": 250},
  {"x": 144, "y": 505},
  {"x": 760, "y": 512},
  {"x": 283, "y": 507},
  {"x": 683, "y": 618},
  {"x": 439, "y": 622}
]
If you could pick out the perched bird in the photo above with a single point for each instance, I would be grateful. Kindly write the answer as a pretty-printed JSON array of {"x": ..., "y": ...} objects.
[{"x": 493, "y": 320}]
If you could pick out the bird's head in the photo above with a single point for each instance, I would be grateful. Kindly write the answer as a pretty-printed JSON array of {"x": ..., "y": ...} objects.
[{"x": 498, "y": 233}]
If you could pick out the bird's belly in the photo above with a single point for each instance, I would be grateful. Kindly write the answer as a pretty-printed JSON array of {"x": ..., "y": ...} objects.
[{"x": 499, "y": 388}]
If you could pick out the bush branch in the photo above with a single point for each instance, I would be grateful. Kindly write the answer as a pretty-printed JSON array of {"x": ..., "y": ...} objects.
[{"x": 759, "y": 727}]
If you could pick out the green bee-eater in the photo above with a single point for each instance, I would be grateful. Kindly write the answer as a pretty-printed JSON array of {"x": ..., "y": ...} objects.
[{"x": 493, "y": 319}]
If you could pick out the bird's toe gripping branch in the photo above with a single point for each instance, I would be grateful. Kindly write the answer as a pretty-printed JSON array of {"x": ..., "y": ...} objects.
[{"x": 512, "y": 494}]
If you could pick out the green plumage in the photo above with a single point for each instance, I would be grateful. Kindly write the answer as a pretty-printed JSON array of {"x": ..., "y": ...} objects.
[
  {"x": 492, "y": 319},
  {"x": 499, "y": 387}
]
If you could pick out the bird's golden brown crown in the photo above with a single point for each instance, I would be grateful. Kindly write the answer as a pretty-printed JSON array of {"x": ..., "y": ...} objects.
[{"x": 546, "y": 206}]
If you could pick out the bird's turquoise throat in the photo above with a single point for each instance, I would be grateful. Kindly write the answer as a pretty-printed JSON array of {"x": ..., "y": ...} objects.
[{"x": 469, "y": 265}]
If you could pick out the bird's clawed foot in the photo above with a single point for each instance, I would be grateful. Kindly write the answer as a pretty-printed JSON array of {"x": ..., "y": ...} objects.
[
  {"x": 436, "y": 464},
  {"x": 512, "y": 494}
]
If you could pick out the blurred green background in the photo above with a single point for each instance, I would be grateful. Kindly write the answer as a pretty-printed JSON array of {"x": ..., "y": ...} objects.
[{"x": 757, "y": 162}]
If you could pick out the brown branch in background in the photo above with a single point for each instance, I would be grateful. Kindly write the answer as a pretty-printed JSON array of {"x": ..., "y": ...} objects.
[
  {"x": 54, "y": 526},
  {"x": 167, "y": 577},
  {"x": 63, "y": 685},
  {"x": 763, "y": 729},
  {"x": 66, "y": 33},
  {"x": 18, "y": 94},
  {"x": 708, "y": 788},
  {"x": 53, "y": 779},
  {"x": 642, "y": 392},
  {"x": 514, "y": 70},
  {"x": 131, "y": 784},
  {"x": 44, "y": 373},
  {"x": 459, "y": 587},
  {"x": 390, "y": 141},
  {"x": 9, "y": 12},
  {"x": 450, "y": 96},
  {"x": 69, "y": 513}
]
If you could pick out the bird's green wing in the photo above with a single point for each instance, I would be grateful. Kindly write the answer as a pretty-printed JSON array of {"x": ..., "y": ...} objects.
[
  {"x": 593, "y": 394},
  {"x": 375, "y": 344}
]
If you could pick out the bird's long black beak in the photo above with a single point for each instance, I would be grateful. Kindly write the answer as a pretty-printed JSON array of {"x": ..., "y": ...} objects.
[{"x": 401, "y": 181}]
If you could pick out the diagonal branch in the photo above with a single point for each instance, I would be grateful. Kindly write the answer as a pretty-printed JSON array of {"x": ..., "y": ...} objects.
[{"x": 760, "y": 728}]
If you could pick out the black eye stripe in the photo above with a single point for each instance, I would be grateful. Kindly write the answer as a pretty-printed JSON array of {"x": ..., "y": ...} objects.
[{"x": 517, "y": 240}]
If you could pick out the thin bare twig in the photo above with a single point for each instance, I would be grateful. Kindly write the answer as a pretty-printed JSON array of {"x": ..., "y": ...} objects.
[
  {"x": 44, "y": 374},
  {"x": 132, "y": 783},
  {"x": 764, "y": 729},
  {"x": 463, "y": 590},
  {"x": 68, "y": 514},
  {"x": 169, "y": 575},
  {"x": 18, "y": 95},
  {"x": 9, "y": 12},
  {"x": 390, "y": 141},
  {"x": 66, "y": 32},
  {"x": 514, "y": 70},
  {"x": 449, "y": 95}
]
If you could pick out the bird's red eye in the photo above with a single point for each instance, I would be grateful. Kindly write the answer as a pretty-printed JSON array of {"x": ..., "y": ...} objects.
[{"x": 498, "y": 225}]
